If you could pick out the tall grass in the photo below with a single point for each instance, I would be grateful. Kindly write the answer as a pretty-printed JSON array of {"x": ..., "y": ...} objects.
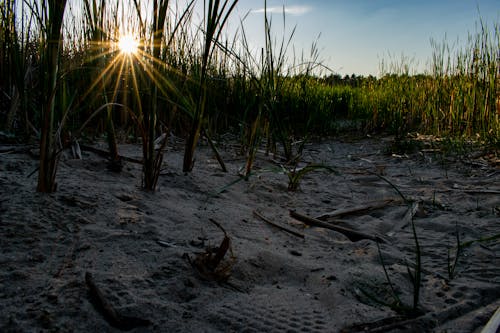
[
  {"x": 52, "y": 20},
  {"x": 216, "y": 16},
  {"x": 279, "y": 110},
  {"x": 267, "y": 76},
  {"x": 152, "y": 161},
  {"x": 18, "y": 60},
  {"x": 458, "y": 97},
  {"x": 191, "y": 79},
  {"x": 151, "y": 71},
  {"x": 100, "y": 41}
]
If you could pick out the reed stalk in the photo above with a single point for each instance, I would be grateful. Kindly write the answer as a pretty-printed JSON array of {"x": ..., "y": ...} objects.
[
  {"x": 51, "y": 50},
  {"x": 152, "y": 162},
  {"x": 216, "y": 15},
  {"x": 16, "y": 63},
  {"x": 158, "y": 80},
  {"x": 100, "y": 44}
]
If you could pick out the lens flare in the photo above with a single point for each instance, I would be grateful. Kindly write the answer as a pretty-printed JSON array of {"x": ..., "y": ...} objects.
[{"x": 128, "y": 45}]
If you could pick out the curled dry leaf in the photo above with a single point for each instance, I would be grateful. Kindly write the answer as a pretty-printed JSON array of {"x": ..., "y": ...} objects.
[{"x": 213, "y": 264}]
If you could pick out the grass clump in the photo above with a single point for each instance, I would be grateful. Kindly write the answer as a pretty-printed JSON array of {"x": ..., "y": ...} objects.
[
  {"x": 296, "y": 174},
  {"x": 51, "y": 16},
  {"x": 391, "y": 298}
]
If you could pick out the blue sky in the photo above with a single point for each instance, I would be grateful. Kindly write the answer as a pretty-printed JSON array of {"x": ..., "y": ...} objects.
[{"x": 355, "y": 35}]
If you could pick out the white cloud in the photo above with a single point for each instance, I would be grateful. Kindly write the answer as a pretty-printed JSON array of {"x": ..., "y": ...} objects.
[{"x": 292, "y": 10}]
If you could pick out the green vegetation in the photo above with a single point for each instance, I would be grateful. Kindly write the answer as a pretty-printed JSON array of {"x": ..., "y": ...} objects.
[
  {"x": 296, "y": 174},
  {"x": 452, "y": 264},
  {"x": 50, "y": 49},
  {"x": 61, "y": 66},
  {"x": 389, "y": 297}
]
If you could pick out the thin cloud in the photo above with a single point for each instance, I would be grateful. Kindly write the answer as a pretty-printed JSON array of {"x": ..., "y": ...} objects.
[{"x": 292, "y": 10}]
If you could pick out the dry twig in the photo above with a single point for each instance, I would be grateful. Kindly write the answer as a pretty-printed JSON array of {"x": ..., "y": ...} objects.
[
  {"x": 353, "y": 235},
  {"x": 355, "y": 210},
  {"x": 104, "y": 153},
  {"x": 109, "y": 313},
  {"x": 295, "y": 233}
]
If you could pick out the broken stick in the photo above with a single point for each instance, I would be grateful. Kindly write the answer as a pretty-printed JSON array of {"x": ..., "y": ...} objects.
[
  {"x": 104, "y": 153},
  {"x": 353, "y": 235},
  {"x": 257, "y": 214},
  {"x": 493, "y": 324},
  {"x": 383, "y": 325},
  {"x": 109, "y": 313},
  {"x": 355, "y": 210}
]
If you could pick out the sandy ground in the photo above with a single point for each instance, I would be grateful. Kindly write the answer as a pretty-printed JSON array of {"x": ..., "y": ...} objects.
[{"x": 136, "y": 244}]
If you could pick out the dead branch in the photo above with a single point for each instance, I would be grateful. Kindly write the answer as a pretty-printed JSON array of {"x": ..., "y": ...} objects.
[
  {"x": 383, "y": 325},
  {"x": 4, "y": 150},
  {"x": 493, "y": 324},
  {"x": 107, "y": 310},
  {"x": 216, "y": 152},
  {"x": 355, "y": 210},
  {"x": 353, "y": 235},
  {"x": 255, "y": 213},
  {"x": 106, "y": 154},
  {"x": 481, "y": 191}
]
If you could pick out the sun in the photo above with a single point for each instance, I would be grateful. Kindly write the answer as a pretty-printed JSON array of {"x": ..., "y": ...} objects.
[{"x": 128, "y": 45}]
